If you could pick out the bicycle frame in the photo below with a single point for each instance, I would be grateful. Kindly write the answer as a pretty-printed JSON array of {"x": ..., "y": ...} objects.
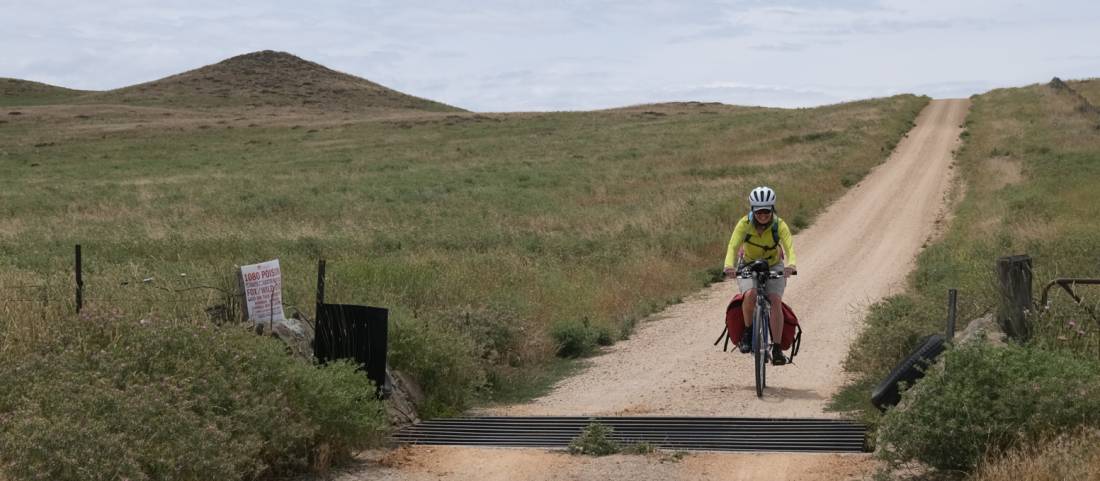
[{"x": 761, "y": 324}]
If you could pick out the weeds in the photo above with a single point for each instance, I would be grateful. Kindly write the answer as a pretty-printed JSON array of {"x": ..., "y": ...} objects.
[
  {"x": 642, "y": 448},
  {"x": 595, "y": 440}
]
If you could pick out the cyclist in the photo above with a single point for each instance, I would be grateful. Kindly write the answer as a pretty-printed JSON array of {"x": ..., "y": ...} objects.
[{"x": 762, "y": 234}]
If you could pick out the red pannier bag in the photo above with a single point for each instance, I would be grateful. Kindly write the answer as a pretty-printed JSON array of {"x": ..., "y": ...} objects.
[{"x": 735, "y": 325}]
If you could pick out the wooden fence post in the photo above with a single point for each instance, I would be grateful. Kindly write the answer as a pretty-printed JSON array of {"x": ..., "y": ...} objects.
[
  {"x": 1014, "y": 276},
  {"x": 320, "y": 284},
  {"x": 79, "y": 281},
  {"x": 952, "y": 309}
]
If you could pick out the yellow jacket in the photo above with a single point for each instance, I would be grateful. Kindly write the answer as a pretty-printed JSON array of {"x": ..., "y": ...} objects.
[{"x": 755, "y": 248}]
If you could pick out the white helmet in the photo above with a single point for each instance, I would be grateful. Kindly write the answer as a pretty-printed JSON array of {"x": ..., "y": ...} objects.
[{"x": 762, "y": 198}]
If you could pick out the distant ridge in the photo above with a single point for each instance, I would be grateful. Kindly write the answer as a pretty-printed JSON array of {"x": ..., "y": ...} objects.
[{"x": 266, "y": 78}]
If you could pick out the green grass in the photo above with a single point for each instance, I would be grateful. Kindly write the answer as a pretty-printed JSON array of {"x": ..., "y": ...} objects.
[
  {"x": 1028, "y": 174},
  {"x": 530, "y": 383}
]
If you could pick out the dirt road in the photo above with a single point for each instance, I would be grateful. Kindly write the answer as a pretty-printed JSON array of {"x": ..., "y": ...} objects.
[{"x": 856, "y": 253}]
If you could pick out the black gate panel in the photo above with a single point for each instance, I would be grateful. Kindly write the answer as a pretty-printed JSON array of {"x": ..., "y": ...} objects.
[{"x": 346, "y": 331}]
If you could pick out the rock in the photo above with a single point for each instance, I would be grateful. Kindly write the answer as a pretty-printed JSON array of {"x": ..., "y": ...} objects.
[
  {"x": 984, "y": 329},
  {"x": 405, "y": 396},
  {"x": 296, "y": 334}
]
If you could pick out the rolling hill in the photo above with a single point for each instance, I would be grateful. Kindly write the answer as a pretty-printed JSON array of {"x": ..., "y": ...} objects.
[
  {"x": 258, "y": 79},
  {"x": 25, "y": 92}
]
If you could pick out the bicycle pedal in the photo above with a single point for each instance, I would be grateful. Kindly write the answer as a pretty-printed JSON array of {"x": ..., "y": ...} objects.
[{"x": 781, "y": 361}]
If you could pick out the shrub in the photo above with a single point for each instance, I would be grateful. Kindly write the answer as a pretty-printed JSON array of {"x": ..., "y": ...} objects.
[
  {"x": 175, "y": 401},
  {"x": 987, "y": 399},
  {"x": 595, "y": 440},
  {"x": 443, "y": 359}
]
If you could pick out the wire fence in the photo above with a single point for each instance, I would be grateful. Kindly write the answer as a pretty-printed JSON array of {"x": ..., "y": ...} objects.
[
  {"x": 153, "y": 288},
  {"x": 156, "y": 290}
]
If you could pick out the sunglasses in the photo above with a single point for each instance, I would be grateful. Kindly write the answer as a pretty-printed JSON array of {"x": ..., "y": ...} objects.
[{"x": 763, "y": 211}]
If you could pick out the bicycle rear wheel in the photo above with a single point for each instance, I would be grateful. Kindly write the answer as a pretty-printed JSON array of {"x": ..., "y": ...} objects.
[{"x": 760, "y": 348}]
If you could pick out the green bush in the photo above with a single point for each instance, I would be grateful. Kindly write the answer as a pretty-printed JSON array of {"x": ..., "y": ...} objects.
[
  {"x": 175, "y": 402},
  {"x": 443, "y": 359},
  {"x": 987, "y": 399}
]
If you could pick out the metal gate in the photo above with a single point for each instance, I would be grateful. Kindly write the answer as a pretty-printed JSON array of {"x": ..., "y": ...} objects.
[{"x": 346, "y": 331}]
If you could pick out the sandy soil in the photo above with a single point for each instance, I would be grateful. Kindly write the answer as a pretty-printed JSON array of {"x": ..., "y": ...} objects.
[
  {"x": 857, "y": 252},
  {"x": 504, "y": 464}
]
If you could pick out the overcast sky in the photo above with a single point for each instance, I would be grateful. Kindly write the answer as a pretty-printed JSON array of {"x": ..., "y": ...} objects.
[{"x": 495, "y": 55}]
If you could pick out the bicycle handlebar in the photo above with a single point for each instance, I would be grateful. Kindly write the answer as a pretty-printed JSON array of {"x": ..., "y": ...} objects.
[{"x": 771, "y": 274}]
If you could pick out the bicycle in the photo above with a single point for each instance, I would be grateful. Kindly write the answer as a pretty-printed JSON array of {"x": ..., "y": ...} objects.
[{"x": 760, "y": 272}]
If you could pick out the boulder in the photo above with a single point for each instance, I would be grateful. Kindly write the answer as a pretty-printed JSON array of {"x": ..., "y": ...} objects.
[{"x": 983, "y": 329}]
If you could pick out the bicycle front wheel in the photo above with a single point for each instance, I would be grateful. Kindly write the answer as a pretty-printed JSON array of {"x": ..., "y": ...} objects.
[{"x": 760, "y": 349}]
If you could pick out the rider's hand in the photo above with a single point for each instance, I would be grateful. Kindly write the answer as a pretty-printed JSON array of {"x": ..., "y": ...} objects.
[
  {"x": 789, "y": 271},
  {"x": 729, "y": 272}
]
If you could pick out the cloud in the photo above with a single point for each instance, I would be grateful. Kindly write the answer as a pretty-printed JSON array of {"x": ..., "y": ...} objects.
[
  {"x": 831, "y": 21},
  {"x": 780, "y": 47},
  {"x": 737, "y": 93},
  {"x": 573, "y": 54}
]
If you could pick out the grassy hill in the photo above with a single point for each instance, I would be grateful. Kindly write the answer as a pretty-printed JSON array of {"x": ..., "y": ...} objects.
[
  {"x": 26, "y": 92},
  {"x": 254, "y": 80},
  {"x": 498, "y": 241}
]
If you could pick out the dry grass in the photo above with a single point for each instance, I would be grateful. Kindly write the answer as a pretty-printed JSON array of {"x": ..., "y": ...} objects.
[
  {"x": 1089, "y": 88},
  {"x": 1003, "y": 171},
  {"x": 1073, "y": 457}
]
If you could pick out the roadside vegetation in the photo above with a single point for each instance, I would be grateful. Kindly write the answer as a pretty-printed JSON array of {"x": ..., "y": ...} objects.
[
  {"x": 1028, "y": 172},
  {"x": 501, "y": 243}
]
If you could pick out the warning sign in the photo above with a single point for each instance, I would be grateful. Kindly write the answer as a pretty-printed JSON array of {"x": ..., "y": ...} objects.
[{"x": 263, "y": 291}]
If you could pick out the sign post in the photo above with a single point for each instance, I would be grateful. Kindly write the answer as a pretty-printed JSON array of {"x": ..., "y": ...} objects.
[{"x": 263, "y": 292}]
